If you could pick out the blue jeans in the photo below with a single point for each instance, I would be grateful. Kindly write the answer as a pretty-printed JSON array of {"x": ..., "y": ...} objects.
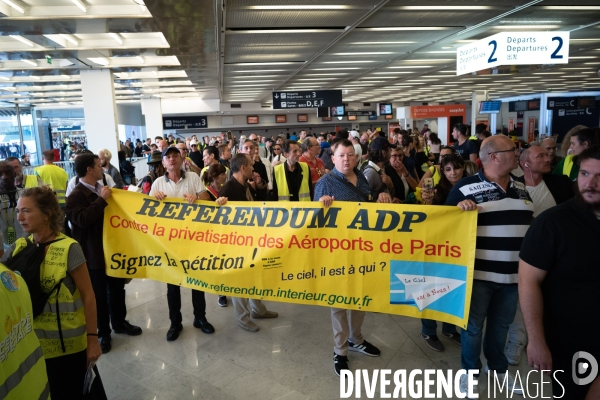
[
  {"x": 498, "y": 303},
  {"x": 429, "y": 327}
]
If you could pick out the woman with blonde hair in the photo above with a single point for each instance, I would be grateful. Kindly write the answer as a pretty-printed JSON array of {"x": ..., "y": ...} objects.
[{"x": 67, "y": 325}]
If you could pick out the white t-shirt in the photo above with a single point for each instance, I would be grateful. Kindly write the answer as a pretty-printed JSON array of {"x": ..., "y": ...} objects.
[
  {"x": 71, "y": 185},
  {"x": 542, "y": 198},
  {"x": 358, "y": 151},
  {"x": 190, "y": 183}
]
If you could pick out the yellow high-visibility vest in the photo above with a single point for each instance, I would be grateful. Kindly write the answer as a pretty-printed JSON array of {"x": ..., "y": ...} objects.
[
  {"x": 70, "y": 305},
  {"x": 56, "y": 178},
  {"x": 568, "y": 165},
  {"x": 283, "y": 191},
  {"x": 30, "y": 181},
  {"x": 435, "y": 175},
  {"x": 22, "y": 365}
]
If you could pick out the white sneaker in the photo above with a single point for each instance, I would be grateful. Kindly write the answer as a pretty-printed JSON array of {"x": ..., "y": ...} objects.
[
  {"x": 464, "y": 387},
  {"x": 513, "y": 353},
  {"x": 512, "y": 385}
]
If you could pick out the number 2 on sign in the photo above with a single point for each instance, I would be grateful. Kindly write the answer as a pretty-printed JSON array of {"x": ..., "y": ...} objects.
[
  {"x": 560, "y": 43},
  {"x": 492, "y": 58}
]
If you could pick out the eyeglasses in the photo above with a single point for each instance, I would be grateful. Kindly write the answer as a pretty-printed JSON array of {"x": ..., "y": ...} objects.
[{"x": 514, "y": 150}]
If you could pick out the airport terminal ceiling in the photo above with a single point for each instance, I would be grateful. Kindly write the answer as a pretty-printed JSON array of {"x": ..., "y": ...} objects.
[{"x": 240, "y": 51}]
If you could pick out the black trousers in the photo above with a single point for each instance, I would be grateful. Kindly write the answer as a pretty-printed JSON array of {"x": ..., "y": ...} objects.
[
  {"x": 110, "y": 300},
  {"x": 562, "y": 357},
  {"x": 174, "y": 301},
  {"x": 66, "y": 375}
]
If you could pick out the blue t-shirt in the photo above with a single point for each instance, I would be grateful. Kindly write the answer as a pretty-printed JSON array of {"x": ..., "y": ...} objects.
[{"x": 467, "y": 148}]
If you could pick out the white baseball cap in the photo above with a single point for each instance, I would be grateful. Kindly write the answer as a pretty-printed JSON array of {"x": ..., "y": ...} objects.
[{"x": 355, "y": 134}]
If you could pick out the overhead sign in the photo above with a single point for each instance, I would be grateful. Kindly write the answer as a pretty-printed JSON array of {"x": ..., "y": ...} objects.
[
  {"x": 307, "y": 99},
  {"x": 361, "y": 113},
  {"x": 420, "y": 112},
  {"x": 185, "y": 122},
  {"x": 68, "y": 128},
  {"x": 513, "y": 48},
  {"x": 562, "y": 102}
]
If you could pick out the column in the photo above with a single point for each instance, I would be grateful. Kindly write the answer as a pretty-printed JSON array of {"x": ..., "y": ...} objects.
[
  {"x": 152, "y": 111},
  {"x": 477, "y": 97},
  {"x": 543, "y": 123},
  {"x": 100, "y": 110}
]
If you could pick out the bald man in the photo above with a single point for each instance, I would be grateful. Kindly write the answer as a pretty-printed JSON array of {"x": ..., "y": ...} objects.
[
  {"x": 162, "y": 145},
  {"x": 506, "y": 210},
  {"x": 550, "y": 146}
]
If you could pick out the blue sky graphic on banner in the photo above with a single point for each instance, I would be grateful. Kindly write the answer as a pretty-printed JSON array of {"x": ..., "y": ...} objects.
[{"x": 429, "y": 285}]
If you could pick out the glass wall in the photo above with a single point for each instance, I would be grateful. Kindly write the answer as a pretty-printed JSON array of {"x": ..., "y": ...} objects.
[{"x": 10, "y": 140}]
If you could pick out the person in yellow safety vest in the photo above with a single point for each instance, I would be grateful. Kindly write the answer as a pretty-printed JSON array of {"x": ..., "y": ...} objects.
[
  {"x": 22, "y": 366},
  {"x": 291, "y": 179},
  {"x": 580, "y": 140},
  {"x": 67, "y": 327},
  {"x": 23, "y": 181},
  {"x": 53, "y": 176}
]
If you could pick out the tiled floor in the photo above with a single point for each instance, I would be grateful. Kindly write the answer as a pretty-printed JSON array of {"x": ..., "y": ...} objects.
[{"x": 289, "y": 358}]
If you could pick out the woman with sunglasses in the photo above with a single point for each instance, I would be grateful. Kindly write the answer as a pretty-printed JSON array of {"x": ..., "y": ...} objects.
[
  {"x": 452, "y": 170},
  {"x": 277, "y": 155}
]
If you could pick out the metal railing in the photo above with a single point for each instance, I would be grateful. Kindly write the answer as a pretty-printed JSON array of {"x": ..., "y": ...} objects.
[{"x": 140, "y": 164}]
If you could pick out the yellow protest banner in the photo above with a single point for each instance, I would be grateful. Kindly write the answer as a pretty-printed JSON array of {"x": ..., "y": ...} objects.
[{"x": 398, "y": 259}]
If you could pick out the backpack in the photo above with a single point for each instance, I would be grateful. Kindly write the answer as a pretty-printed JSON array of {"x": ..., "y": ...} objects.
[{"x": 27, "y": 263}]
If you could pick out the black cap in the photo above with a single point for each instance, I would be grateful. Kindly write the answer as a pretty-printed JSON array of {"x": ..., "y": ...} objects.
[
  {"x": 381, "y": 143},
  {"x": 170, "y": 149}
]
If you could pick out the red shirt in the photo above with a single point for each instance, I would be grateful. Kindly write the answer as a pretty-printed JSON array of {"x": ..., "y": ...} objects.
[{"x": 317, "y": 168}]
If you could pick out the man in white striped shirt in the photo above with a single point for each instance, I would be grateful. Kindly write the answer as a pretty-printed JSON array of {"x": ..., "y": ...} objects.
[{"x": 505, "y": 212}]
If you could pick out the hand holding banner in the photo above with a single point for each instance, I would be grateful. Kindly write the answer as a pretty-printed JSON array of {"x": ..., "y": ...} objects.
[{"x": 397, "y": 259}]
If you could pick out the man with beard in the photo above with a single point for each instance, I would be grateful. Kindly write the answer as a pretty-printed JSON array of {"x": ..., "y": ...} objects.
[
  {"x": 105, "y": 156},
  {"x": 559, "y": 279}
]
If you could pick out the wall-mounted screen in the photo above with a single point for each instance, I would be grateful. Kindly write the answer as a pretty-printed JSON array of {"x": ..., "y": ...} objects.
[
  {"x": 323, "y": 112},
  {"x": 252, "y": 119},
  {"x": 490, "y": 107},
  {"x": 280, "y": 119},
  {"x": 326, "y": 118},
  {"x": 385, "y": 108},
  {"x": 337, "y": 111},
  {"x": 389, "y": 116},
  {"x": 351, "y": 117},
  {"x": 515, "y": 106},
  {"x": 302, "y": 118}
]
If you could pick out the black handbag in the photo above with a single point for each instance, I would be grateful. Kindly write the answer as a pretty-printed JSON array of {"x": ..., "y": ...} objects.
[{"x": 27, "y": 263}]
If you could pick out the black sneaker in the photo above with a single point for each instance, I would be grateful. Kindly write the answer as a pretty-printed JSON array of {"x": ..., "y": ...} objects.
[
  {"x": 365, "y": 348},
  {"x": 222, "y": 301},
  {"x": 433, "y": 342},
  {"x": 454, "y": 337},
  {"x": 339, "y": 363}
]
